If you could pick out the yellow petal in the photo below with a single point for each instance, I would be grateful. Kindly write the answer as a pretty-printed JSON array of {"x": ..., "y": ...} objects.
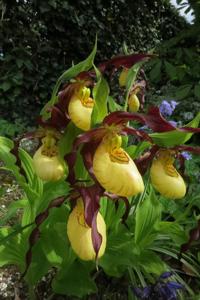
[
  {"x": 79, "y": 233},
  {"x": 80, "y": 114},
  {"x": 118, "y": 177},
  {"x": 133, "y": 103},
  {"x": 48, "y": 168},
  {"x": 172, "y": 187}
]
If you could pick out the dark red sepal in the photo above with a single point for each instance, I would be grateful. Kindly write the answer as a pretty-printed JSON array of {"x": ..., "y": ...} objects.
[
  {"x": 156, "y": 121},
  {"x": 87, "y": 77},
  {"x": 144, "y": 161},
  {"x": 58, "y": 120},
  {"x": 139, "y": 133},
  {"x": 94, "y": 135},
  {"x": 181, "y": 160},
  {"x": 126, "y": 61},
  {"x": 87, "y": 153},
  {"x": 195, "y": 150},
  {"x": 15, "y": 150},
  {"x": 66, "y": 94},
  {"x": 122, "y": 117},
  {"x": 153, "y": 119},
  {"x": 91, "y": 197}
]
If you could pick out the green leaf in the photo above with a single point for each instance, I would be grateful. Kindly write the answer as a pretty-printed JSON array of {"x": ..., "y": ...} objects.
[
  {"x": 52, "y": 190},
  {"x": 155, "y": 73},
  {"x": 12, "y": 232},
  {"x": 74, "y": 279},
  {"x": 80, "y": 170},
  {"x": 181, "y": 71},
  {"x": 9, "y": 159},
  {"x": 197, "y": 90},
  {"x": 170, "y": 70},
  {"x": 174, "y": 230},
  {"x": 113, "y": 215},
  {"x": 39, "y": 265},
  {"x": 6, "y": 142},
  {"x": 67, "y": 139},
  {"x": 113, "y": 106},
  {"x": 183, "y": 91},
  {"x": 54, "y": 239},
  {"x": 119, "y": 252},
  {"x": 131, "y": 150},
  {"x": 147, "y": 215},
  {"x": 19, "y": 62},
  {"x": 11, "y": 250},
  {"x": 135, "y": 151},
  {"x": 85, "y": 65},
  {"x": 27, "y": 163},
  {"x": 55, "y": 244},
  {"x": 175, "y": 137},
  {"x": 151, "y": 263},
  {"x": 100, "y": 95},
  {"x": 5, "y": 86}
]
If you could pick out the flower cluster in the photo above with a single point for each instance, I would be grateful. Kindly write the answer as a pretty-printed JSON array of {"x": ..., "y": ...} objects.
[{"x": 111, "y": 171}]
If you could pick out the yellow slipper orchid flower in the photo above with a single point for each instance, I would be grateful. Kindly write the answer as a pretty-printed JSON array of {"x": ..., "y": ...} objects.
[
  {"x": 122, "y": 77},
  {"x": 80, "y": 108},
  {"x": 133, "y": 103},
  {"x": 47, "y": 163},
  {"x": 115, "y": 170},
  {"x": 79, "y": 233},
  {"x": 165, "y": 178}
]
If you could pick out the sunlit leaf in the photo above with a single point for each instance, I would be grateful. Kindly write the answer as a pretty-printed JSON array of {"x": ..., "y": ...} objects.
[{"x": 151, "y": 262}]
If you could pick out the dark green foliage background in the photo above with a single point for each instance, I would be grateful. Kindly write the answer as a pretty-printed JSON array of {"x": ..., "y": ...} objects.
[{"x": 40, "y": 39}]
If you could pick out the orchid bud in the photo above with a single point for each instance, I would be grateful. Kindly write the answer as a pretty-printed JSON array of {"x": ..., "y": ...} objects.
[
  {"x": 80, "y": 108},
  {"x": 80, "y": 234},
  {"x": 165, "y": 178},
  {"x": 133, "y": 103},
  {"x": 123, "y": 77},
  {"x": 115, "y": 170},
  {"x": 47, "y": 162}
]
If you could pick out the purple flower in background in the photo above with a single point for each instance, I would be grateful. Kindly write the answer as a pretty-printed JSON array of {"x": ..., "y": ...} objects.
[
  {"x": 167, "y": 107},
  {"x": 186, "y": 155},
  {"x": 163, "y": 289}
]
